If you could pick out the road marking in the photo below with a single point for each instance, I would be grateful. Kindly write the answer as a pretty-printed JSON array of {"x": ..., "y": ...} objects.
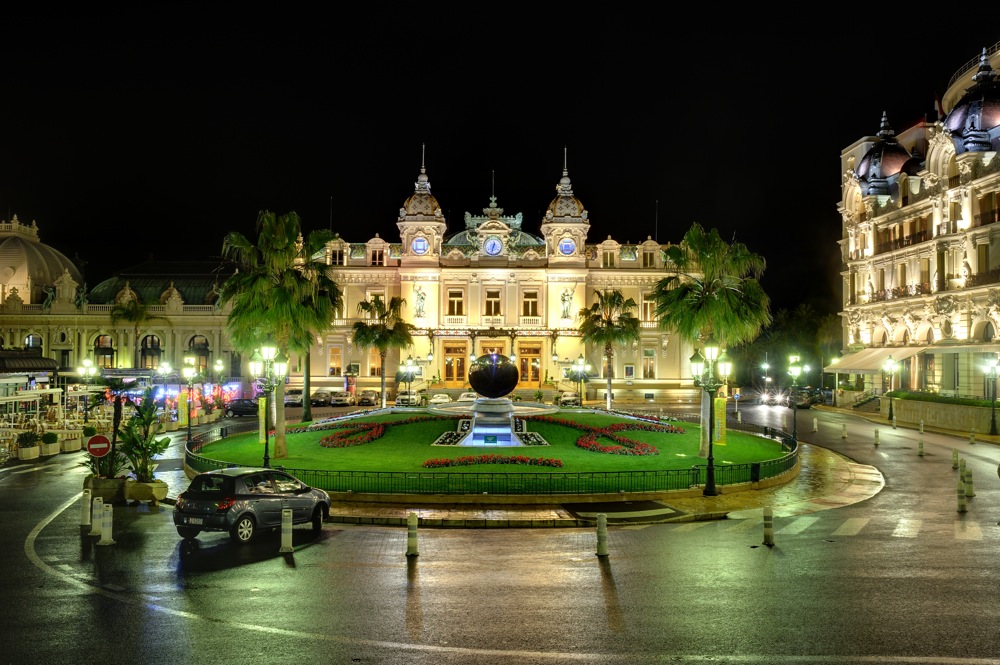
[
  {"x": 968, "y": 530},
  {"x": 851, "y": 526},
  {"x": 908, "y": 528},
  {"x": 799, "y": 525}
]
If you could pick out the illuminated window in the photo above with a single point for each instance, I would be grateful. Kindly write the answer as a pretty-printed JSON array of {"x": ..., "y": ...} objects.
[
  {"x": 493, "y": 302},
  {"x": 648, "y": 308},
  {"x": 456, "y": 302},
  {"x": 378, "y": 257},
  {"x": 336, "y": 361},
  {"x": 374, "y": 362},
  {"x": 648, "y": 258},
  {"x": 529, "y": 304},
  {"x": 337, "y": 258},
  {"x": 649, "y": 363},
  {"x": 608, "y": 259}
]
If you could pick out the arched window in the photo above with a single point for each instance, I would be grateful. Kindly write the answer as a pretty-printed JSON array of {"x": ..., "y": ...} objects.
[
  {"x": 199, "y": 349},
  {"x": 150, "y": 347},
  {"x": 104, "y": 352}
]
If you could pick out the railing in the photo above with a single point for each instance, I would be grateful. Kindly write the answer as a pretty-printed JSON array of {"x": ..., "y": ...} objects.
[
  {"x": 500, "y": 483},
  {"x": 905, "y": 241},
  {"x": 980, "y": 278},
  {"x": 530, "y": 321}
]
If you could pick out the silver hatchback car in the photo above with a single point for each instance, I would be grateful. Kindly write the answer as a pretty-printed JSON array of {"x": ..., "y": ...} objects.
[{"x": 245, "y": 500}]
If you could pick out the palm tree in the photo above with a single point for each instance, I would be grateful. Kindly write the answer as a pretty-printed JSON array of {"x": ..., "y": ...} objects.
[
  {"x": 609, "y": 321},
  {"x": 135, "y": 312},
  {"x": 714, "y": 291},
  {"x": 386, "y": 331},
  {"x": 279, "y": 290}
]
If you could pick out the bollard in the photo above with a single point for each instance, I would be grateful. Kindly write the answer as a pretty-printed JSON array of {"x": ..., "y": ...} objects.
[
  {"x": 921, "y": 425},
  {"x": 286, "y": 530},
  {"x": 972, "y": 436},
  {"x": 815, "y": 424},
  {"x": 602, "y": 534},
  {"x": 109, "y": 515},
  {"x": 739, "y": 417},
  {"x": 95, "y": 528},
  {"x": 961, "y": 469},
  {"x": 784, "y": 426},
  {"x": 961, "y": 496},
  {"x": 843, "y": 432},
  {"x": 920, "y": 447},
  {"x": 894, "y": 422},
  {"x": 768, "y": 526},
  {"x": 954, "y": 458},
  {"x": 969, "y": 491},
  {"x": 411, "y": 535},
  {"x": 85, "y": 508},
  {"x": 876, "y": 437}
]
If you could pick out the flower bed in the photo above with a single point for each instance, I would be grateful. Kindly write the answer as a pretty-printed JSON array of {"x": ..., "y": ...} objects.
[
  {"x": 624, "y": 445},
  {"x": 492, "y": 459}
]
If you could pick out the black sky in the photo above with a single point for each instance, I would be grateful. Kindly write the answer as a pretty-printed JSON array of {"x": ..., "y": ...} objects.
[{"x": 150, "y": 131}]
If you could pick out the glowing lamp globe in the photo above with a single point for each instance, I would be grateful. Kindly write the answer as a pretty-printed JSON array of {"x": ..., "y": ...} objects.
[{"x": 493, "y": 375}]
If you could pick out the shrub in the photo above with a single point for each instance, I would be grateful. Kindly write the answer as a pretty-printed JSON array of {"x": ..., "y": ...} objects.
[
  {"x": 50, "y": 437},
  {"x": 27, "y": 439},
  {"x": 89, "y": 430}
]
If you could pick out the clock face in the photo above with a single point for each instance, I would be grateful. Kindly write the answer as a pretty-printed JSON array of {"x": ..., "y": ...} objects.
[
  {"x": 567, "y": 246},
  {"x": 492, "y": 246},
  {"x": 419, "y": 245}
]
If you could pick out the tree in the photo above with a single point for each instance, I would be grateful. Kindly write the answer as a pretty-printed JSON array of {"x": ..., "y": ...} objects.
[
  {"x": 608, "y": 322},
  {"x": 279, "y": 290},
  {"x": 385, "y": 331},
  {"x": 135, "y": 312},
  {"x": 715, "y": 290}
]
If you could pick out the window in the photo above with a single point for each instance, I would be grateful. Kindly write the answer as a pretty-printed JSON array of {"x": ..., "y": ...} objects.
[
  {"x": 104, "y": 352},
  {"x": 648, "y": 258},
  {"x": 608, "y": 259},
  {"x": 648, "y": 308},
  {"x": 374, "y": 362},
  {"x": 378, "y": 257},
  {"x": 493, "y": 302},
  {"x": 372, "y": 297},
  {"x": 337, "y": 257},
  {"x": 199, "y": 349},
  {"x": 456, "y": 302},
  {"x": 649, "y": 363},
  {"x": 33, "y": 342},
  {"x": 336, "y": 361},
  {"x": 529, "y": 306}
]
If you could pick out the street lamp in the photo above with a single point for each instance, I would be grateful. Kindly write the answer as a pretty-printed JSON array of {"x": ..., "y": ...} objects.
[
  {"x": 795, "y": 370},
  {"x": 992, "y": 370},
  {"x": 189, "y": 373},
  {"x": 163, "y": 369},
  {"x": 581, "y": 367},
  {"x": 266, "y": 363},
  {"x": 704, "y": 369},
  {"x": 409, "y": 377},
  {"x": 87, "y": 372},
  {"x": 889, "y": 367}
]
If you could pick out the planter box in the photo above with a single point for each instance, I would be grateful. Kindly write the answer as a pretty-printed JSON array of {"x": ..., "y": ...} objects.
[
  {"x": 71, "y": 444},
  {"x": 31, "y": 452},
  {"x": 153, "y": 492},
  {"x": 111, "y": 490},
  {"x": 51, "y": 449}
]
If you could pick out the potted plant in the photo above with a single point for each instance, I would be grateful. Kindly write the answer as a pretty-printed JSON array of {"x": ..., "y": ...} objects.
[
  {"x": 28, "y": 445},
  {"x": 539, "y": 396},
  {"x": 207, "y": 409},
  {"x": 106, "y": 479},
  {"x": 140, "y": 446},
  {"x": 50, "y": 443}
]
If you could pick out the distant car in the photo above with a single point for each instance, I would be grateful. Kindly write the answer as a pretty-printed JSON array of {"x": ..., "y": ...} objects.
[
  {"x": 774, "y": 398},
  {"x": 369, "y": 398},
  {"x": 407, "y": 398},
  {"x": 245, "y": 500},
  {"x": 241, "y": 407},
  {"x": 467, "y": 397},
  {"x": 338, "y": 398},
  {"x": 293, "y": 397},
  {"x": 568, "y": 399},
  {"x": 440, "y": 398}
]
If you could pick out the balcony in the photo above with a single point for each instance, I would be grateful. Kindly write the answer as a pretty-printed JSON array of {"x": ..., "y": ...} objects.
[
  {"x": 452, "y": 320},
  {"x": 493, "y": 321},
  {"x": 530, "y": 321},
  {"x": 908, "y": 291},
  {"x": 905, "y": 241},
  {"x": 981, "y": 278},
  {"x": 988, "y": 217}
]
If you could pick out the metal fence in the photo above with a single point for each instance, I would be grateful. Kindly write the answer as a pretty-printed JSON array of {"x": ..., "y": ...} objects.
[{"x": 529, "y": 483}]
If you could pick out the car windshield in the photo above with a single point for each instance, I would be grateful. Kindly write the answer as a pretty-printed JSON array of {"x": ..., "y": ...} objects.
[{"x": 211, "y": 484}]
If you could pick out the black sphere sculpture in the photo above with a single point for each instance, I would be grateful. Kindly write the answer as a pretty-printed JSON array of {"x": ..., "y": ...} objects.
[{"x": 493, "y": 375}]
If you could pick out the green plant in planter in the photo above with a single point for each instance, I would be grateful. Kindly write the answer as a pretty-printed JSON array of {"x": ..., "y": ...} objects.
[
  {"x": 539, "y": 396},
  {"x": 218, "y": 402},
  {"x": 111, "y": 465},
  {"x": 207, "y": 404},
  {"x": 50, "y": 437},
  {"x": 139, "y": 444},
  {"x": 27, "y": 439},
  {"x": 89, "y": 430}
]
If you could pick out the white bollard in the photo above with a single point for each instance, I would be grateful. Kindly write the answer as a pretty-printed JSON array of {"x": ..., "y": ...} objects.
[
  {"x": 768, "y": 526},
  {"x": 784, "y": 426},
  {"x": 602, "y": 534},
  {"x": 815, "y": 424},
  {"x": 920, "y": 447},
  {"x": 95, "y": 528},
  {"x": 969, "y": 491},
  {"x": 954, "y": 459},
  {"x": 972, "y": 436},
  {"x": 894, "y": 422},
  {"x": 876, "y": 437},
  {"x": 106, "y": 523},
  {"x": 286, "y": 530},
  {"x": 739, "y": 417},
  {"x": 961, "y": 470},
  {"x": 961, "y": 496},
  {"x": 921, "y": 425},
  {"x": 411, "y": 535},
  {"x": 843, "y": 432},
  {"x": 85, "y": 508}
]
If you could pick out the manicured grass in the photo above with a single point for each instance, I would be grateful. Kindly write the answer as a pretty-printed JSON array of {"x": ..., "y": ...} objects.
[{"x": 407, "y": 440}]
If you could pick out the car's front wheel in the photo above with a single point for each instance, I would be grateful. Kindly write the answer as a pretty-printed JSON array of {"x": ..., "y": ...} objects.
[
  {"x": 243, "y": 531},
  {"x": 229, "y": 413},
  {"x": 318, "y": 519}
]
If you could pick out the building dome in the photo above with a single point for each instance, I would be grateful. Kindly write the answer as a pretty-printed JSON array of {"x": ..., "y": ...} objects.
[
  {"x": 28, "y": 265},
  {"x": 565, "y": 206},
  {"x": 974, "y": 122},
  {"x": 421, "y": 204},
  {"x": 879, "y": 169}
]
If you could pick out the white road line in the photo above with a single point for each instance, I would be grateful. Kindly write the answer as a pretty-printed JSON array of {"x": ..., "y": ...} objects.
[
  {"x": 907, "y": 528},
  {"x": 968, "y": 530},
  {"x": 851, "y": 526},
  {"x": 799, "y": 525}
]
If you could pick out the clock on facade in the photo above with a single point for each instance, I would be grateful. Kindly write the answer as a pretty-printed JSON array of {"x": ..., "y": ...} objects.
[
  {"x": 567, "y": 246},
  {"x": 419, "y": 245},
  {"x": 492, "y": 246}
]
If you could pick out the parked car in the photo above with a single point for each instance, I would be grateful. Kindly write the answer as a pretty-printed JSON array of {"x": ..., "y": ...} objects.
[
  {"x": 341, "y": 398},
  {"x": 370, "y": 398},
  {"x": 407, "y": 398},
  {"x": 321, "y": 398},
  {"x": 245, "y": 500},
  {"x": 293, "y": 397},
  {"x": 467, "y": 397},
  {"x": 241, "y": 407},
  {"x": 774, "y": 398},
  {"x": 440, "y": 398},
  {"x": 568, "y": 398}
]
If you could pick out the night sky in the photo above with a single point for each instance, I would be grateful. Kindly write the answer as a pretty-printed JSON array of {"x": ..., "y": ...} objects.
[{"x": 152, "y": 132}]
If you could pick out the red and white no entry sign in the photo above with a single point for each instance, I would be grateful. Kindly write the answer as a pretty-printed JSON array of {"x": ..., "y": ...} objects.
[{"x": 99, "y": 446}]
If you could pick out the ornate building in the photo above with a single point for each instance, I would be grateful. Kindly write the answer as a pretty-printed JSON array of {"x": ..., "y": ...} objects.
[
  {"x": 491, "y": 286},
  {"x": 920, "y": 212}
]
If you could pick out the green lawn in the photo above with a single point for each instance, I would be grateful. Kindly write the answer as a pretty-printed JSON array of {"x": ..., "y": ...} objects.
[{"x": 406, "y": 445}]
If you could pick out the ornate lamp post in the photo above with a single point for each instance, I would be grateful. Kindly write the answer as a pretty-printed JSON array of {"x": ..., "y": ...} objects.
[
  {"x": 409, "y": 376},
  {"x": 794, "y": 370},
  {"x": 267, "y": 364},
  {"x": 580, "y": 368},
  {"x": 992, "y": 370},
  {"x": 889, "y": 367},
  {"x": 189, "y": 373},
  {"x": 86, "y": 372},
  {"x": 710, "y": 371}
]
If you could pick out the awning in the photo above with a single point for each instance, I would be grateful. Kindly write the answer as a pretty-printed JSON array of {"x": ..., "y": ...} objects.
[
  {"x": 28, "y": 364},
  {"x": 870, "y": 360}
]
